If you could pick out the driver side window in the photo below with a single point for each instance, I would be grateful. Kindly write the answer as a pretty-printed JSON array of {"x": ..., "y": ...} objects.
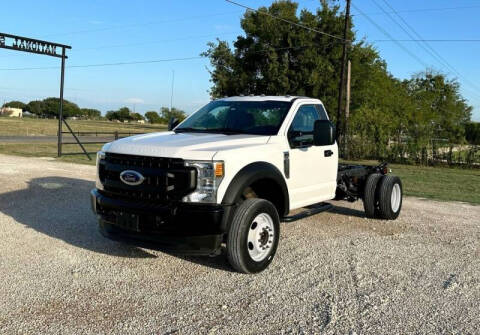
[{"x": 300, "y": 133}]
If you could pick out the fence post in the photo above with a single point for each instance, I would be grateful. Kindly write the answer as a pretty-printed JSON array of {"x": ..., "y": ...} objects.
[{"x": 116, "y": 135}]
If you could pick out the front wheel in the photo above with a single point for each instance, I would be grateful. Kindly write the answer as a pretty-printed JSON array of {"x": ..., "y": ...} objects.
[{"x": 253, "y": 236}]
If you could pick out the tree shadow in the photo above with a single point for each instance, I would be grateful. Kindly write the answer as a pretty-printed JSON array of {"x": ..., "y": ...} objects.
[{"x": 60, "y": 208}]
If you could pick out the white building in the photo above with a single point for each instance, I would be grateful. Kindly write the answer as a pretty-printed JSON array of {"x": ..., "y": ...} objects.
[{"x": 11, "y": 112}]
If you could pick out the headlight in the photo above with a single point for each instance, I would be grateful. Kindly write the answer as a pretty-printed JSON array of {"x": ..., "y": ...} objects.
[
  {"x": 209, "y": 177},
  {"x": 98, "y": 183}
]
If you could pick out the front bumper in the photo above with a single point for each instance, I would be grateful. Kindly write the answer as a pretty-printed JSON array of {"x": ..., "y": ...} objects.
[{"x": 179, "y": 227}]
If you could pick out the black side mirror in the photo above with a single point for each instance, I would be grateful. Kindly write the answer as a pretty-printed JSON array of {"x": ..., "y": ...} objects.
[
  {"x": 172, "y": 123},
  {"x": 323, "y": 133}
]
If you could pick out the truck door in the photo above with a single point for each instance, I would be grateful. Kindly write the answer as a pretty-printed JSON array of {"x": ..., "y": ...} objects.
[{"x": 313, "y": 169}]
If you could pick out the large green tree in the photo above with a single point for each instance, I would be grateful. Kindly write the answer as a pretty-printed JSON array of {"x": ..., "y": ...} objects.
[
  {"x": 275, "y": 58},
  {"x": 167, "y": 113},
  {"x": 153, "y": 117},
  {"x": 51, "y": 107},
  {"x": 16, "y": 104},
  {"x": 389, "y": 118}
]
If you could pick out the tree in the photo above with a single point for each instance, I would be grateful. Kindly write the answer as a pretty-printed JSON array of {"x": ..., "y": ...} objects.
[
  {"x": 472, "y": 132},
  {"x": 136, "y": 116},
  {"x": 274, "y": 58},
  {"x": 112, "y": 115},
  {"x": 389, "y": 118},
  {"x": 166, "y": 114},
  {"x": 153, "y": 117},
  {"x": 16, "y": 104},
  {"x": 124, "y": 114},
  {"x": 90, "y": 113},
  {"x": 36, "y": 107}
]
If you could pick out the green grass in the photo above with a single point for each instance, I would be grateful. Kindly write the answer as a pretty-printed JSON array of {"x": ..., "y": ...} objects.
[
  {"x": 40, "y": 127},
  {"x": 49, "y": 150},
  {"x": 441, "y": 183},
  {"x": 35, "y": 127}
]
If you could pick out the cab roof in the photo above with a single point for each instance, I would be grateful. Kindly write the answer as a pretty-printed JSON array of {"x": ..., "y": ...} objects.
[{"x": 287, "y": 98}]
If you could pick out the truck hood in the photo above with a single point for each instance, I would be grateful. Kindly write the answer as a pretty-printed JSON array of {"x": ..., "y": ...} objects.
[{"x": 197, "y": 146}]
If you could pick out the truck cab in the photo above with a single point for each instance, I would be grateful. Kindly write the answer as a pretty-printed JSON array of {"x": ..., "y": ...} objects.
[{"x": 227, "y": 176}]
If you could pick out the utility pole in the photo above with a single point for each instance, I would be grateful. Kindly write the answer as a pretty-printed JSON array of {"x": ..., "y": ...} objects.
[
  {"x": 341, "y": 88},
  {"x": 347, "y": 112},
  {"x": 171, "y": 97}
]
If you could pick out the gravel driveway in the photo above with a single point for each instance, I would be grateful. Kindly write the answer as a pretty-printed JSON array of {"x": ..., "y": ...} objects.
[{"x": 335, "y": 272}]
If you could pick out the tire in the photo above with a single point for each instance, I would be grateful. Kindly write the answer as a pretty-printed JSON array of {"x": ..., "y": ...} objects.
[
  {"x": 390, "y": 194},
  {"x": 370, "y": 200},
  {"x": 251, "y": 245}
]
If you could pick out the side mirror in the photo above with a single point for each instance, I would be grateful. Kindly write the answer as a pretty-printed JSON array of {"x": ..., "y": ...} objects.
[
  {"x": 172, "y": 123},
  {"x": 323, "y": 133}
]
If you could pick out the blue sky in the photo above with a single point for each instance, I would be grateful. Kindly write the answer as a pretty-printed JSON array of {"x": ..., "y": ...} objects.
[{"x": 122, "y": 31}]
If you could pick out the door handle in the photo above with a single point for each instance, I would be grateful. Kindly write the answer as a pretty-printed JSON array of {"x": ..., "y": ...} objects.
[{"x": 328, "y": 153}]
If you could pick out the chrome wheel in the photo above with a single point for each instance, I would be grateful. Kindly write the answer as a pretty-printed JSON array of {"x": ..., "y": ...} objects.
[
  {"x": 396, "y": 198},
  {"x": 260, "y": 237}
]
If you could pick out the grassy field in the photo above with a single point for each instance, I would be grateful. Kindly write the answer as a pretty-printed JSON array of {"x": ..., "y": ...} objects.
[
  {"x": 36, "y": 127},
  {"x": 49, "y": 150},
  {"x": 441, "y": 183},
  {"x": 430, "y": 182}
]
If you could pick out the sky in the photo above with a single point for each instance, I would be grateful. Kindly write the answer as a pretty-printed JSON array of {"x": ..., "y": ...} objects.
[{"x": 109, "y": 31}]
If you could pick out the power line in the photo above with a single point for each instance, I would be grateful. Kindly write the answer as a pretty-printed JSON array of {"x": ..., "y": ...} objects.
[
  {"x": 152, "y": 42},
  {"x": 425, "y": 10},
  {"x": 148, "y": 61},
  {"x": 421, "y": 45},
  {"x": 287, "y": 21},
  {"x": 425, "y": 40},
  {"x": 383, "y": 31},
  {"x": 442, "y": 59},
  {"x": 133, "y": 25},
  {"x": 105, "y": 64}
]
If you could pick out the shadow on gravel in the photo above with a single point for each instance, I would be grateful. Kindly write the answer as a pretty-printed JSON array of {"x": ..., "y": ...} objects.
[
  {"x": 60, "y": 207},
  {"x": 347, "y": 211},
  {"x": 219, "y": 262}
]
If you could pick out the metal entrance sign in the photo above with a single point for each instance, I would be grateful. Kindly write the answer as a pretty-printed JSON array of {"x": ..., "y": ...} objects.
[
  {"x": 12, "y": 42},
  {"x": 20, "y": 43}
]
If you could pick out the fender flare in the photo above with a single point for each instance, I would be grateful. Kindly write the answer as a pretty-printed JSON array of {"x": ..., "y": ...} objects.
[{"x": 247, "y": 176}]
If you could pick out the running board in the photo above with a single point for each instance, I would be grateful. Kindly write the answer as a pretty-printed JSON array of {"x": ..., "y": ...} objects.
[{"x": 311, "y": 210}]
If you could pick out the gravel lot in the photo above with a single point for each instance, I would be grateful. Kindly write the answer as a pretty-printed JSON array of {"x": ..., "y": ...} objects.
[{"x": 336, "y": 272}]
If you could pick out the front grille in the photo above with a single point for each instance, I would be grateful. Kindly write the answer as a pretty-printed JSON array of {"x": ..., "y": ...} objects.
[{"x": 166, "y": 179}]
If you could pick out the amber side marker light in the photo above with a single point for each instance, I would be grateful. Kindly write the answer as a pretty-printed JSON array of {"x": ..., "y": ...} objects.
[{"x": 219, "y": 170}]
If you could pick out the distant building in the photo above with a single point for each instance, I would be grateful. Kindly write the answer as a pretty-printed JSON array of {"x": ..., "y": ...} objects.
[
  {"x": 11, "y": 112},
  {"x": 141, "y": 121}
]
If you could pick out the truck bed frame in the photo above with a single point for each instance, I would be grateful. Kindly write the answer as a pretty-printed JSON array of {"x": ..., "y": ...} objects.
[
  {"x": 351, "y": 179},
  {"x": 350, "y": 186}
]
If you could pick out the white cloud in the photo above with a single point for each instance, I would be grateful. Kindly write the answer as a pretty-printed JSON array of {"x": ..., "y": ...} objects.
[{"x": 134, "y": 101}]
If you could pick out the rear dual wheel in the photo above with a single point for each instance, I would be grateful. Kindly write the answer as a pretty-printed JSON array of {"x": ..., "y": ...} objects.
[{"x": 383, "y": 196}]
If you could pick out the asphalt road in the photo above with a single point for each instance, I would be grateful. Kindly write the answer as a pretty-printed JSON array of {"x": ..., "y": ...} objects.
[{"x": 334, "y": 273}]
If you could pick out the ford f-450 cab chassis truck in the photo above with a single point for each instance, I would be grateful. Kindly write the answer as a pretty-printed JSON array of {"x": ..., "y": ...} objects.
[{"x": 228, "y": 175}]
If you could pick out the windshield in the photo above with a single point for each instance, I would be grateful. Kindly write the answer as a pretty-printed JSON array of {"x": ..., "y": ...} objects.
[{"x": 238, "y": 117}]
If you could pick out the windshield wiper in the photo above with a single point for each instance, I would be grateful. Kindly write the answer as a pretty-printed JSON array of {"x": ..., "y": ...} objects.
[
  {"x": 226, "y": 131},
  {"x": 189, "y": 129}
]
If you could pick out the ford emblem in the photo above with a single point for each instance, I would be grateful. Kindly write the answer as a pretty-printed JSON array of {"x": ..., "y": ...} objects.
[{"x": 132, "y": 178}]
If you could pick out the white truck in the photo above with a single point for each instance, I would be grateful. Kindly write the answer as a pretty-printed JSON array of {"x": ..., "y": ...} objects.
[{"x": 228, "y": 175}]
